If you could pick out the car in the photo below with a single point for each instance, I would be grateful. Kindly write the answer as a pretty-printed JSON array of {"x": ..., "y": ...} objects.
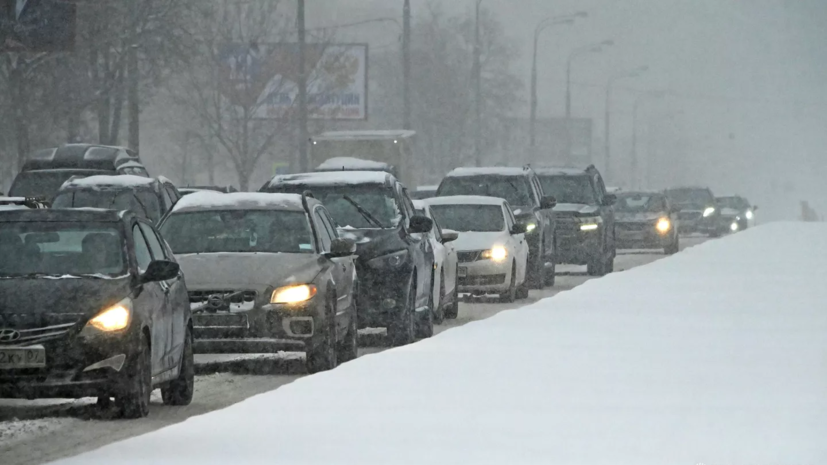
[
  {"x": 521, "y": 188},
  {"x": 737, "y": 214},
  {"x": 446, "y": 291},
  {"x": 394, "y": 262},
  {"x": 354, "y": 164},
  {"x": 424, "y": 192},
  {"x": 193, "y": 189},
  {"x": 647, "y": 220},
  {"x": 492, "y": 247},
  {"x": 584, "y": 215},
  {"x": 266, "y": 273},
  {"x": 16, "y": 203},
  {"x": 92, "y": 304},
  {"x": 46, "y": 170},
  {"x": 149, "y": 198},
  {"x": 698, "y": 211}
]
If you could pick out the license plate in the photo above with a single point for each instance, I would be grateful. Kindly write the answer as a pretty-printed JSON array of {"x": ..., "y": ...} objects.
[
  {"x": 22, "y": 357},
  {"x": 462, "y": 272}
]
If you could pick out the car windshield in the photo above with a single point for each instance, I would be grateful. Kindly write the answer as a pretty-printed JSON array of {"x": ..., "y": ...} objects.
[
  {"x": 59, "y": 249},
  {"x": 689, "y": 196},
  {"x": 514, "y": 189},
  {"x": 44, "y": 183},
  {"x": 238, "y": 231},
  {"x": 569, "y": 189},
  {"x": 342, "y": 201},
  {"x": 732, "y": 202},
  {"x": 464, "y": 218},
  {"x": 142, "y": 202},
  {"x": 640, "y": 203}
]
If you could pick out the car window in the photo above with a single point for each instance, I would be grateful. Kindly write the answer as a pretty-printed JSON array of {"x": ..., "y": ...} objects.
[
  {"x": 407, "y": 204},
  {"x": 143, "y": 256},
  {"x": 328, "y": 223},
  {"x": 173, "y": 193},
  {"x": 324, "y": 233},
  {"x": 436, "y": 230},
  {"x": 509, "y": 218},
  {"x": 168, "y": 202},
  {"x": 150, "y": 202},
  {"x": 154, "y": 244}
]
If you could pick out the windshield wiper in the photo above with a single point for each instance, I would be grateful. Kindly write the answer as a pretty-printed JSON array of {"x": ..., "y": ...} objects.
[{"x": 365, "y": 214}]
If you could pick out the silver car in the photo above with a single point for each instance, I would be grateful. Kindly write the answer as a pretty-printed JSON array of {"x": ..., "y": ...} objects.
[{"x": 266, "y": 273}]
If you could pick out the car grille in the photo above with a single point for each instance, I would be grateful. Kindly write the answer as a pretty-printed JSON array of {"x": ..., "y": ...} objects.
[
  {"x": 690, "y": 216},
  {"x": 634, "y": 227},
  {"x": 221, "y": 300},
  {"x": 468, "y": 256},
  {"x": 37, "y": 328},
  {"x": 486, "y": 280}
]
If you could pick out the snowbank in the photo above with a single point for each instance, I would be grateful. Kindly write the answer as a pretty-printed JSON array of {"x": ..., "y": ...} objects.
[{"x": 715, "y": 356}]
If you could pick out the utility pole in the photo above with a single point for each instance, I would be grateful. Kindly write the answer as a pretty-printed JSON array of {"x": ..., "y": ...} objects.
[
  {"x": 304, "y": 161},
  {"x": 477, "y": 89},
  {"x": 608, "y": 116},
  {"x": 406, "y": 65},
  {"x": 133, "y": 80}
]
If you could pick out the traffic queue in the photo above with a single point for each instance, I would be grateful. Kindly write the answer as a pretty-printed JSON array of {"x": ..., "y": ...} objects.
[{"x": 111, "y": 291}]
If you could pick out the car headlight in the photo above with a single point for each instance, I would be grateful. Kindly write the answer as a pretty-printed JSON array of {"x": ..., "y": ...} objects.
[
  {"x": 734, "y": 226},
  {"x": 497, "y": 253},
  {"x": 530, "y": 227},
  {"x": 293, "y": 294},
  {"x": 664, "y": 225},
  {"x": 749, "y": 214},
  {"x": 590, "y": 223},
  {"x": 114, "y": 318},
  {"x": 709, "y": 211},
  {"x": 394, "y": 260}
]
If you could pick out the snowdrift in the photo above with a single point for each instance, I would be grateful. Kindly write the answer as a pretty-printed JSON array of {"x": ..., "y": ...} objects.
[{"x": 717, "y": 355}]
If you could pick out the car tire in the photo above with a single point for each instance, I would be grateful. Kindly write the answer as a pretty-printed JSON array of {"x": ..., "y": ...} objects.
[
  {"x": 180, "y": 391},
  {"x": 439, "y": 313},
  {"x": 133, "y": 402},
  {"x": 511, "y": 294},
  {"x": 349, "y": 347},
  {"x": 425, "y": 321},
  {"x": 321, "y": 356},
  {"x": 522, "y": 290},
  {"x": 537, "y": 272},
  {"x": 401, "y": 331},
  {"x": 551, "y": 274},
  {"x": 674, "y": 247},
  {"x": 596, "y": 267},
  {"x": 452, "y": 311}
]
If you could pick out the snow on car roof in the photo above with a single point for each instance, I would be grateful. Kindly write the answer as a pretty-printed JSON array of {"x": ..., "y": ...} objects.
[
  {"x": 427, "y": 188},
  {"x": 566, "y": 171},
  {"x": 357, "y": 135},
  {"x": 351, "y": 163},
  {"x": 489, "y": 171},
  {"x": 464, "y": 200},
  {"x": 331, "y": 178},
  {"x": 211, "y": 200},
  {"x": 122, "y": 180}
]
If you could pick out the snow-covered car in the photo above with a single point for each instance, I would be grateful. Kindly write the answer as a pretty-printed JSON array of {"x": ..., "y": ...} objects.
[
  {"x": 147, "y": 197},
  {"x": 193, "y": 189},
  {"x": 354, "y": 164},
  {"x": 446, "y": 291},
  {"x": 266, "y": 273},
  {"x": 20, "y": 203},
  {"x": 737, "y": 214},
  {"x": 492, "y": 249},
  {"x": 395, "y": 262},
  {"x": 93, "y": 305},
  {"x": 646, "y": 220}
]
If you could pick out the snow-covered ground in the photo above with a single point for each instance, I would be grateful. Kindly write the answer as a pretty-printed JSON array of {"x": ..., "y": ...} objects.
[{"x": 715, "y": 356}]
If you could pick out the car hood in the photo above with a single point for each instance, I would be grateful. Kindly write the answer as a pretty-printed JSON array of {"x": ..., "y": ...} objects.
[
  {"x": 574, "y": 209},
  {"x": 468, "y": 241},
  {"x": 730, "y": 212},
  {"x": 372, "y": 243},
  {"x": 638, "y": 217},
  {"x": 248, "y": 271},
  {"x": 40, "y": 302}
]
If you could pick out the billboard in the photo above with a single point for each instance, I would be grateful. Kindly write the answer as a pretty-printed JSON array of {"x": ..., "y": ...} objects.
[
  {"x": 37, "y": 25},
  {"x": 263, "y": 79}
]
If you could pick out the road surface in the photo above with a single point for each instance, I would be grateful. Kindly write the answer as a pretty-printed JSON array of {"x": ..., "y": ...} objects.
[{"x": 34, "y": 432}]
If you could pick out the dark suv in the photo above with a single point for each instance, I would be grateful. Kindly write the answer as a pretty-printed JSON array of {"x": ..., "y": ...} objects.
[
  {"x": 699, "y": 212},
  {"x": 395, "y": 260},
  {"x": 92, "y": 304},
  {"x": 522, "y": 189},
  {"x": 585, "y": 217},
  {"x": 146, "y": 197}
]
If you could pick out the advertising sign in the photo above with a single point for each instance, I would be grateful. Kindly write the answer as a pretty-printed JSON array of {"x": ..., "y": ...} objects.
[
  {"x": 263, "y": 78},
  {"x": 37, "y": 25}
]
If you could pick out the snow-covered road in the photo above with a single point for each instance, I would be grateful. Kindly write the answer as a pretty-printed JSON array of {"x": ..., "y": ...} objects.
[{"x": 41, "y": 431}]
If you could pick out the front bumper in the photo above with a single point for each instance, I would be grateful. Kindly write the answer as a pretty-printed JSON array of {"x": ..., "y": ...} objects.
[
  {"x": 641, "y": 235},
  {"x": 484, "y": 276},
  {"x": 576, "y": 247},
  {"x": 383, "y": 294},
  {"x": 693, "y": 221}
]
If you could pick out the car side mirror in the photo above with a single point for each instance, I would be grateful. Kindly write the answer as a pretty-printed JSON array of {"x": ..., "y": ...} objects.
[
  {"x": 609, "y": 200},
  {"x": 341, "y": 248},
  {"x": 160, "y": 270},
  {"x": 519, "y": 228},
  {"x": 421, "y": 224},
  {"x": 449, "y": 236},
  {"x": 754, "y": 207},
  {"x": 548, "y": 202}
]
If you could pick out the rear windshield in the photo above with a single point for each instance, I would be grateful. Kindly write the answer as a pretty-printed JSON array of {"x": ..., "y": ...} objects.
[
  {"x": 61, "y": 249},
  {"x": 514, "y": 189},
  {"x": 142, "y": 202},
  {"x": 43, "y": 184},
  {"x": 477, "y": 218}
]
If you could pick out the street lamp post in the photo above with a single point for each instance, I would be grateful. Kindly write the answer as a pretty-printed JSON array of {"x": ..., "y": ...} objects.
[
  {"x": 406, "y": 65},
  {"x": 607, "y": 119},
  {"x": 542, "y": 26},
  {"x": 593, "y": 48},
  {"x": 477, "y": 89}
]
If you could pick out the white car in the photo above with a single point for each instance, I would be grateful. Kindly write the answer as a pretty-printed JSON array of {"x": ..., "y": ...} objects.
[
  {"x": 492, "y": 249},
  {"x": 446, "y": 292}
]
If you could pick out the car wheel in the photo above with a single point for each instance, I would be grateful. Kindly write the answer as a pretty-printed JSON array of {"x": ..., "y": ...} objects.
[
  {"x": 522, "y": 290},
  {"x": 452, "y": 311},
  {"x": 133, "y": 402},
  {"x": 349, "y": 348},
  {"x": 551, "y": 274},
  {"x": 401, "y": 331},
  {"x": 537, "y": 272},
  {"x": 180, "y": 391},
  {"x": 425, "y": 321},
  {"x": 321, "y": 356},
  {"x": 596, "y": 267},
  {"x": 511, "y": 295},
  {"x": 674, "y": 247},
  {"x": 439, "y": 312}
]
